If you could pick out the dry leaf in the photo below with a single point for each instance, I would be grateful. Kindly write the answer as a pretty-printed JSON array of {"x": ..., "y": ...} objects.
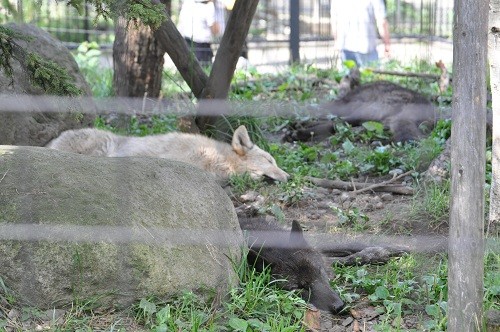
[{"x": 312, "y": 319}]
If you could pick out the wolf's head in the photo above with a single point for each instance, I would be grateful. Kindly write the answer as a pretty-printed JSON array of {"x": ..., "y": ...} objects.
[
  {"x": 292, "y": 260},
  {"x": 252, "y": 159}
]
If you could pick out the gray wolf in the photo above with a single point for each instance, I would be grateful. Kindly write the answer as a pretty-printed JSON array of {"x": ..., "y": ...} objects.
[
  {"x": 218, "y": 158},
  {"x": 402, "y": 110},
  {"x": 290, "y": 258}
]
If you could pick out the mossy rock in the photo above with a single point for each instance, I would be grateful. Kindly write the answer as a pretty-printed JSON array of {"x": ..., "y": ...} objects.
[
  {"x": 38, "y": 122},
  {"x": 77, "y": 227}
]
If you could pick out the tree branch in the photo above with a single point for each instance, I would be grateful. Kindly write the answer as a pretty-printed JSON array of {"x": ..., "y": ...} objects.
[
  {"x": 174, "y": 44},
  {"x": 359, "y": 187}
]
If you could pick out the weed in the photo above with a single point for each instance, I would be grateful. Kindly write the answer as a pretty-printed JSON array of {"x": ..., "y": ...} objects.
[
  {"x": 255, "y": 305},
  {"x": 433, "y": 203},
  {"x": 240, "y": 183},
  {"x": 352, "y": 217}
]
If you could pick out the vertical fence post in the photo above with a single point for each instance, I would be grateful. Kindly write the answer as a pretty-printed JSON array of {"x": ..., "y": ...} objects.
[
  {"x": 466, "y": 243},
  {"x": 294, "y": 31},
  {"x": 86, "y": 25}
]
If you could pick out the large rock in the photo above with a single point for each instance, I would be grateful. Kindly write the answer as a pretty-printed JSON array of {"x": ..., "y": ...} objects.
[
  {"x": 74, "y": 227},
  {"x": 32, "y": 126}
]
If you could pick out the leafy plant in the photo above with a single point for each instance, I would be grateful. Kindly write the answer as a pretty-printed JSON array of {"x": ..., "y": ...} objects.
[
  {"x": 352, "y": 217},
  {"x": 88, "y": 55}
]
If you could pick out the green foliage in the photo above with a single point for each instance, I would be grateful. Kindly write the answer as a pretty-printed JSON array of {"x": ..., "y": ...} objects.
[
  {"x": 42, "y": 72},
  {"x": 6, "y": 35},
  {"x": 257, "y": 304},
  {"x": 8, "y": 48},
  {"x": 492, "y": 280},
  {"x": 88, "y": 59},
  {"x": 241, "y": 183},
  {"x": 156, "y": 124},
  {"x": 50, "y": 76},
  {"x": 395, "y": 288},
  {"x": 149, "y": 13},
  {"x": 433, "y": 203},
  {"x": 352, "y": 217}
]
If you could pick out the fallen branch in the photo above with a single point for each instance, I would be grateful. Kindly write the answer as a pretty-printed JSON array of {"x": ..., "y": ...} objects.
[
  {"x": 359, "y": 187},
  {"x": 369, "y": 255}
]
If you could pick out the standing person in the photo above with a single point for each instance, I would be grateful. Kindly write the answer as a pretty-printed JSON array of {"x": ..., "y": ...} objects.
[
  {"x": 198, "y": 25},
  {"x": 223, "y": 9},
  {"x": 354, "y": 26}
]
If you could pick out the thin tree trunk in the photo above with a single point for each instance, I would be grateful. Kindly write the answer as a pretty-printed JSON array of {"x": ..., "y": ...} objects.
[
  {"x": 186, "y": 63},
  {"x": 466, "y": 244},
  {"x": 226, "y": 58},
  {"x": 494, "y": 58},
  {"x": 217, "y": 85}
]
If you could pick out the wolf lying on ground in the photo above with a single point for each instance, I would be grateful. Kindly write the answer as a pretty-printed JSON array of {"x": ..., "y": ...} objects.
[
  {"x": 221, "y": 159},
  {"x": 290, "y": 258},
  {"x": 401, "y": 110}
]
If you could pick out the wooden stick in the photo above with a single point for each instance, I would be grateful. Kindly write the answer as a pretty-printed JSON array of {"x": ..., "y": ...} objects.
[{"x": 358, "y": 187}]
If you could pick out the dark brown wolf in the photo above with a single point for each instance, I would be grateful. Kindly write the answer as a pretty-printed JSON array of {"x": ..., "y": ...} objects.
[
  {"x": 405, "y": 112},
  {"x": 290, "y": 258}
]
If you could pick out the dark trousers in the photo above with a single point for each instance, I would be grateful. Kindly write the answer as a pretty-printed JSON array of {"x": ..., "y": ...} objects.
[{"x": 202, "y": 51}]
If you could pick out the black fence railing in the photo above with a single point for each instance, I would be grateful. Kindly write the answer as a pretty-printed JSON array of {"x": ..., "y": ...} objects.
[{"x": 272, "y": 22}]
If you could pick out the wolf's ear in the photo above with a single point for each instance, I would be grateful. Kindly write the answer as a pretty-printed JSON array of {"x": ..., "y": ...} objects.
[
  {"x": 297, "y": 236},
  {"x": 241, "y": 141}
]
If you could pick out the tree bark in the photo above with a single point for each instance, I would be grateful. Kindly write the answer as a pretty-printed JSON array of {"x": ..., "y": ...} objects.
[
  {"x": 184, "y": 60},
  {"x": 137, "y": 60},
  {"x": 494, "y": 59},
  {"x": 217, "y": 85},
  {"x": 227, "y": 56},
  {"x": 466, "y": 243}
]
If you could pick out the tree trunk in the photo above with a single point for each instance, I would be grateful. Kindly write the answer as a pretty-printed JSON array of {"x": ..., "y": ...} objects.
[
  {"x": 184, "y": 60},
  {"x": 226, "y": 58},
  {"x": 217, "y": 85},
  {"x": 137, "y": 60},
  {"x": 466, "y": 244},
  {"x": 494, "y": 58}
]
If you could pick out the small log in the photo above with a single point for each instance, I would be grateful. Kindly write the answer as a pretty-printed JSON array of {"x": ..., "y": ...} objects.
[{"x": 358, "y": 187}]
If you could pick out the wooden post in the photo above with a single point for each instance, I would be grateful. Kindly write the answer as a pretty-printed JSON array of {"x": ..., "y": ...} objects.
[
  {"x": 466, "y": 244},
  {"x": 294, "y": 31}
]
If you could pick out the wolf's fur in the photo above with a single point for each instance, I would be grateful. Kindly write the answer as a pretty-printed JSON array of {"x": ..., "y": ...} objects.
[
  {"x": 291, "y": 259},
  {"x": 221, "y": 159},
  {"x": 401, "y": 110}
]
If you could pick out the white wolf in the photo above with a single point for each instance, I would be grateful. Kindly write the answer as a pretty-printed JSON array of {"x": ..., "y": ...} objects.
[{"x": 221, "y": 159}]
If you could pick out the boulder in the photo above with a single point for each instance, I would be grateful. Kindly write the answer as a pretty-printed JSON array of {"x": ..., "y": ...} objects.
[
  {"x": 119, "y": 229},
  {"x": 35, "y": 125}
]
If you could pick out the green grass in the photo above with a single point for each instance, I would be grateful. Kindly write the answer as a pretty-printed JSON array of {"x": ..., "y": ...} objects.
[
  {"x": 414, "y": 284},
  {"x": 257, "y": 304}
]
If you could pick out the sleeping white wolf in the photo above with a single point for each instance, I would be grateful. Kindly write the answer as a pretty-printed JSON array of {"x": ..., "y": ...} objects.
[{"x": 221, "y": 159}]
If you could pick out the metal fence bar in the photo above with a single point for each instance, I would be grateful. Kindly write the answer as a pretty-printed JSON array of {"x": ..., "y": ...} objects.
[{"x": 273, "y": 22}]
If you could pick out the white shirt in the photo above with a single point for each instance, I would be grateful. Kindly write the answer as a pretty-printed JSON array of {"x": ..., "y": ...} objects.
[
  {"x": 355, "y": 24},
  {"x": 195, "y": 19}
]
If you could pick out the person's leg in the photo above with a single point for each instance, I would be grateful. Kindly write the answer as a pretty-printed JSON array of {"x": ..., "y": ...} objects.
[
  {"x": 350, "y": 55},
  {"x": 368, "y": 58},
  {"x": 204, "y": 53}
]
